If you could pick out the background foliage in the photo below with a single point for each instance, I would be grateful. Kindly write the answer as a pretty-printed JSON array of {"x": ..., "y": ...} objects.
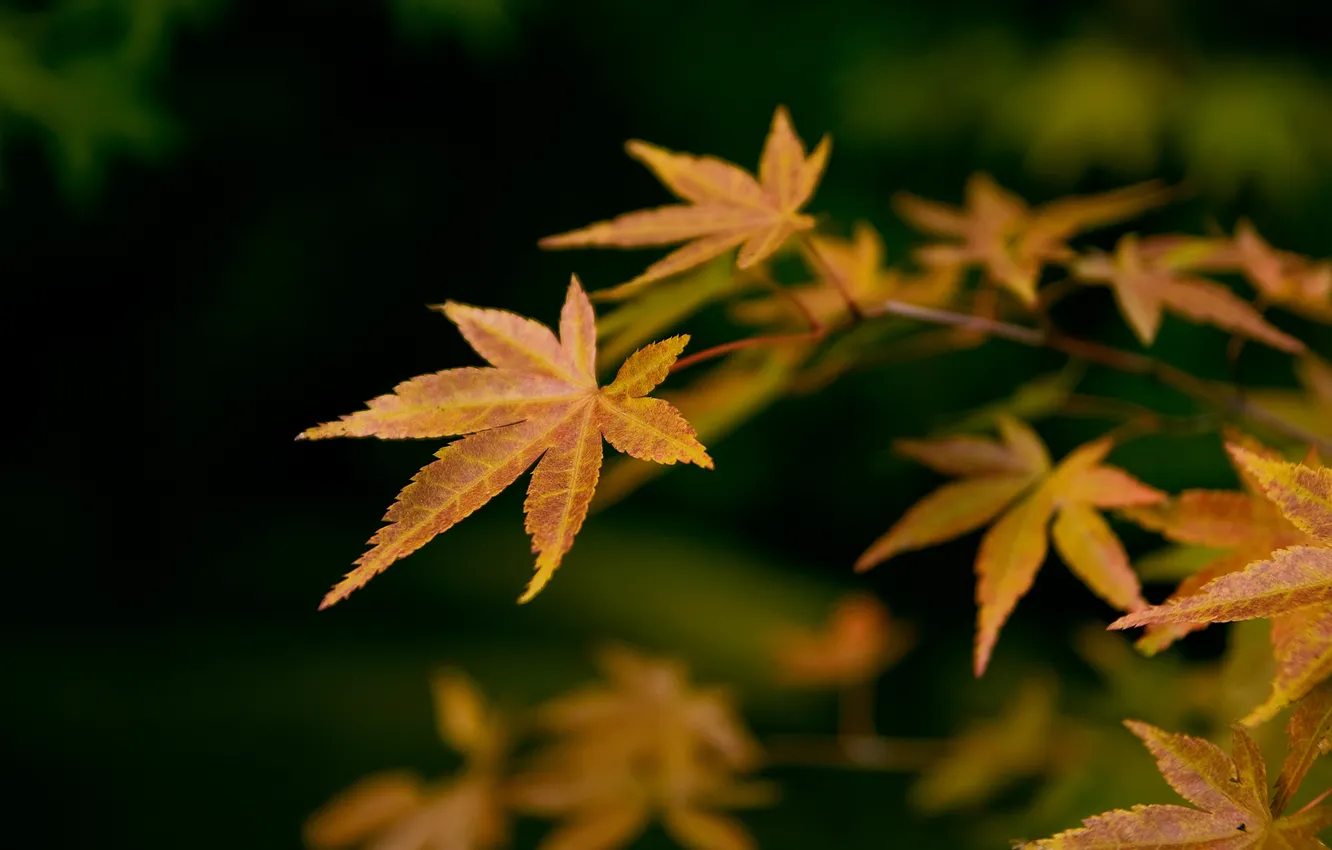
[{"x": 222, "y": 221}]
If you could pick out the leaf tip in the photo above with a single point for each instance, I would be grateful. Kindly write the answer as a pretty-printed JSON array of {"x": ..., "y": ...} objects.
[
  {"x": 1126, "y": 622},
  {"x": 545, "y": 568},
  {"x": 981, "y": 660}
]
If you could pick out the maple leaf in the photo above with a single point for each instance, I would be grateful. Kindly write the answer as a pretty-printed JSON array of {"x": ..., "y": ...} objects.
[
  {"x": 1146, "y": 287},
  {"x": 725, "y": 206},
  {"x": 1284, "y": 278},
  {"x": 1012, "y": 479},
  {"x": 1293, "y": 587},
  {"x": 539, "y": 400},
  {"x": 1038, "y": 398},
  {"x": 1229, "y": 791},
  {"x": 644, "y": 744},
  {"x": 858, "y": 263},
  {"x": 396, "y": 810},
  {"x": 1027, "y": 739},
  {"x": 1011, "y": 240},
  {"x": 1309, "y": 407},
  {"x": 1310, "y": 735},
  {"x": 1239, "y": 527},
  {"x": 858, "y": 643},
  {"x": 662, "y": 307},
  {"x": 716, "y": 404}
]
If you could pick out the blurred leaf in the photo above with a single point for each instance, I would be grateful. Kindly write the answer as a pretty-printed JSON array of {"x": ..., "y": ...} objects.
[
  {"x": 661, "y": 309},
  {"x": 855, "y": 646},
  {"x": 483, "y": 26},
  {"x": 899, "y": 97},
  {"x": 645, "y": 742},
  {"x": 1028, "y": 739},
  {"x": 92, "y": 103},
  {"x": 1175, "y": 563},
  {"x": 1031, "y": 401},
  {"x": 1088, "y": 104},
  {"x": 1256, "y": 124}
]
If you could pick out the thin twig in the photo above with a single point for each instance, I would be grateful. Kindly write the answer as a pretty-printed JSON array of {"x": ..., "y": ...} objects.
[
  {"x": 1225, "y": 397},
  {"x": 816, "y": 330},
  {"x": 1222, "y": 396},
  {"x": 933, "y": 316},
  {"x": 866, "y": 752}
]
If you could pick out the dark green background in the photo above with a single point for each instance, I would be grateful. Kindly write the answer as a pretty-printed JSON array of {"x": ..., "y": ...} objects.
[{"x": 178, "y": 311}]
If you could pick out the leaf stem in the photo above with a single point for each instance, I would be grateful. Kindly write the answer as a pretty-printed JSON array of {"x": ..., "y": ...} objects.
[
  {"x": 855, "y": 711},
  {"x": 832, "y": 276},
  {"x": 740, "y": 344},
  {"x": 816, "y": 329},
  {"x": 811, "y": 320}
]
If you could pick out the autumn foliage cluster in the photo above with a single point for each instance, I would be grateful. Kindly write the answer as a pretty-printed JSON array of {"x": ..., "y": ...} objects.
[{"x": 646, "y": 744}]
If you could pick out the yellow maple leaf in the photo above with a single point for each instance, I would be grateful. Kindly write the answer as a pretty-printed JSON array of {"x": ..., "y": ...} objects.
[
  {"x": 1013, "y": 479},
  {"x": 716, "y": 403},
  {"x": 644, "y": 744},
  {"x": 725, "y": 206},
  {"x": 1310, "y": 406},
  {"x": 397, "y": 810},
  {"x": 539, "y": 400}
]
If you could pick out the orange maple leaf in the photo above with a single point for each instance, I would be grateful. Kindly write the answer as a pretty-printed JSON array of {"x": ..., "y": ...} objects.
[
  {"x": 725, "y": 206},
  {"x": 645, "y": 743},
  {"x": 1013, "y": 477},
  {"x": 1290, "y": 280},
  {"x": 396, "y": 809},
  {"x": 1293, "y": 587},
  {"x": 1146, "y": 286},
  {"x": 538, "y": 400},
  {"x": 858, "y": 643},
  {"x": 1247, "y": 524},
  {"x": 1011, "y": 240},
  {"x": 1230, "y": 793}
]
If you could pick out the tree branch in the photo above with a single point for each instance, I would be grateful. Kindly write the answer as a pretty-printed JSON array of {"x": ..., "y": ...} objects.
[{"x": 1222, "y": 396}]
